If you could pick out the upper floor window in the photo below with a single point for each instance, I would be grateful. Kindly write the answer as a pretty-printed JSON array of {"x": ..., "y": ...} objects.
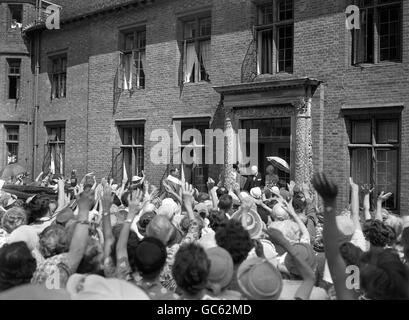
[
  {"x": 380, "y": 35},
  {"x": 275, "y": 37},
  {"x": 13, "y": 77},
  {"x": 58, "y": 76},
  {"x": 133, "y": 60},
  {"x": 197, "y": 50},
  {"x": 15, "y": 16}
]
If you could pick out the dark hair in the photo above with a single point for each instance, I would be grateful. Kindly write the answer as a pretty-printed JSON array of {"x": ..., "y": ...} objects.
[
  {"x": 378, "y": 233},
  {"x": 225, "y": 202},
  {"x": 150, "y": 257},
  {"x": 298, "y": 203},
  {"x": 38, "y": 208},
  {"x": 54, "y": 240},
  {"x": 268, "y": 193},
  {"x": 216, "y": 219},
  {"x": 87, "y": 187},
  {"x": 235, "y": 239},
  {"x": 116, "y": 200},
  {"x": 173, "y": 170},
  {"x": 124, "y": 198},
  {"x": 17, "y": 265},
  {"x": 282, "y": 184},
  {"x": 350, "y": 253},
  {"x": 221, "y": 192},
  {"x": 191, "y": 268},
  {"x": 383, "y": 275}
]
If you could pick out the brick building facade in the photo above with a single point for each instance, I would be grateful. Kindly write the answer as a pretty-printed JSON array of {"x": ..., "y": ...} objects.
[{"x": 322, "y": 97}]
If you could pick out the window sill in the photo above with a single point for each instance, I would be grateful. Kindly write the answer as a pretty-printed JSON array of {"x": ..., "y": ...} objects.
[
  {"x": 378, "y": 64},
  {"x": 196, "y": 83}
]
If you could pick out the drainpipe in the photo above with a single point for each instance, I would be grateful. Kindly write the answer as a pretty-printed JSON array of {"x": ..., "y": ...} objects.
[{"x": 36, "y": 106}]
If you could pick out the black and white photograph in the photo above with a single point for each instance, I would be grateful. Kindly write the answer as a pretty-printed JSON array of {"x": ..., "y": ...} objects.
[{"x": 225, "y": 151}]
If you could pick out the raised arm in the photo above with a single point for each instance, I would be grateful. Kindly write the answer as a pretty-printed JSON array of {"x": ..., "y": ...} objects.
[
  {"x": 135, "y": 206},
  {"x": 81, "y": 233},
  {"x": 61, "y": 202},
  {"x": 355, "y": 204},
  {"x": 212, "y": 192},
  {"x": 381, "y": 199},
  {"x": 305, "y": 235},
  {"x": 367, "y": 206},
  {"x": 106, "y": 221},
  {"x": 188, "y": 199},
  {"x": 306, "y": 272},
  {"x": 337, "y": 266}
]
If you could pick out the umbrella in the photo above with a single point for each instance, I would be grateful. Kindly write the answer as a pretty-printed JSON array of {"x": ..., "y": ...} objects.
[
  {"x": 279, "y": 163},
  {"x": 12, "y": 170}
]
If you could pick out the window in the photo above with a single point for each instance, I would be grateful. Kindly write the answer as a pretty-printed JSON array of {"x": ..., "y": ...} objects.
[
  {"x": 13, "y": 75},
  {"x": 196, "y": 173},
  {"x": 12, "y": 140},
  {"x": 133, "y": 60},
  {"x": 58, "y": 77},
  {"x": 197, "y": 49},
  {"x": 132, "y": 148},
  {"x": 275, "y": 37},
  {"x": 374, "y": 150},
  {"x": 15, "y": 16},
  {"x": 55, "y": 149},
  {"x": 380, "y": 35}
]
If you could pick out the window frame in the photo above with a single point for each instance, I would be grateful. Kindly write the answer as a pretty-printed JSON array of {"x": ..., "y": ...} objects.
[
  {"x": 16, "y": 75},
  {"x": 137, "y": 81},
  {"x": 274, "y": 28},
  {"x": 134, "y": 148},
  {"x": 57, "y": 76},
  {"x": 376, "y": 36},
  {"x": 374, "y": 146},
  {"x": 57, "y": 144},
  {"x": 197, "y": 39},
  {"x": 14, "y": 142},
  {"x": 10, "y": 16}
]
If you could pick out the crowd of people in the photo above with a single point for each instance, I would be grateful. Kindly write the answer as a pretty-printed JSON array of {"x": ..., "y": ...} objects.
[{"x": 266, "y": 241}]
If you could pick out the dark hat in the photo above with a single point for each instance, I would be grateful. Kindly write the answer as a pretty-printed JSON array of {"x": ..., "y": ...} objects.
[{"x": 144, "y": 222}]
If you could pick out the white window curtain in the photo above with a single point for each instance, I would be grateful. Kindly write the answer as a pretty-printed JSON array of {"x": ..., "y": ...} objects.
[
  {"x": 191, "y": 61},
  {"x": 206, "y": 54},
  {"x": 127, "y": 67}
]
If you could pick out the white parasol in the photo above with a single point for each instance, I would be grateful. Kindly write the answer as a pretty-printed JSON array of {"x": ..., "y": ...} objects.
[{"x": 279, "y": 163}]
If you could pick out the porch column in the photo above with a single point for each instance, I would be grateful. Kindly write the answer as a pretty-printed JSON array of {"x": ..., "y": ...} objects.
[
  {"x": 303, "y": 140},
  {"x": 229, "y": 153}
]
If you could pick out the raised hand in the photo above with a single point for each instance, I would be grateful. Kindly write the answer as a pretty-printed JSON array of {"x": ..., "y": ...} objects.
[
  {"x": 210, "y": 184},
  {"x": 366, "y": 189},
  {"x": 291, "y": 186},
  {"x": 384, "y": 196},
  {"x": 187, "y": 194},
  {"x": 354, "y": 186},
  {"x": 107, "y": 198},
  {"x": 325, "y": 187},
  {"x": 135, "y": 200}
]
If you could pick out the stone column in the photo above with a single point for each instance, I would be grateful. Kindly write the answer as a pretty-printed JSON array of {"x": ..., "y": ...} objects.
[
  {"x": 229, "y": 150},
  {"x": 303, "y": 140}
]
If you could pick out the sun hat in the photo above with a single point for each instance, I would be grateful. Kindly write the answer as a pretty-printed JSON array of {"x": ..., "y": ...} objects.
[
  {"x": 7, "y": 199},
  {"x": 13, "y": 218},
  {"x": 136, "y": 179},
  {"x": 305, "y": 252},
  {"x": 254, "y": 223},
  {"x": 221, "y": 269},
  {"x": 279, "y": 213},
  {"x": 93, "y": 287},
  {"x": 25, "y": 234},
  {"x": 254, "y": 170},
  {"x": 258, "y": 279},
  {"x": 256, "y": 193}
]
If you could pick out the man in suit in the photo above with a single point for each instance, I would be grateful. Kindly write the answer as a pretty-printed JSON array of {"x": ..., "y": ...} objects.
[{"x": 254, "y": 180}]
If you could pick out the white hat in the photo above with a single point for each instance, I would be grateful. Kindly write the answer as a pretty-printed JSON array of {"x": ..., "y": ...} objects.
[
  {"x": 136, "y": 179},
  {"x": 254, "y": 169},
  {"x": 256, "y": 193}
]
